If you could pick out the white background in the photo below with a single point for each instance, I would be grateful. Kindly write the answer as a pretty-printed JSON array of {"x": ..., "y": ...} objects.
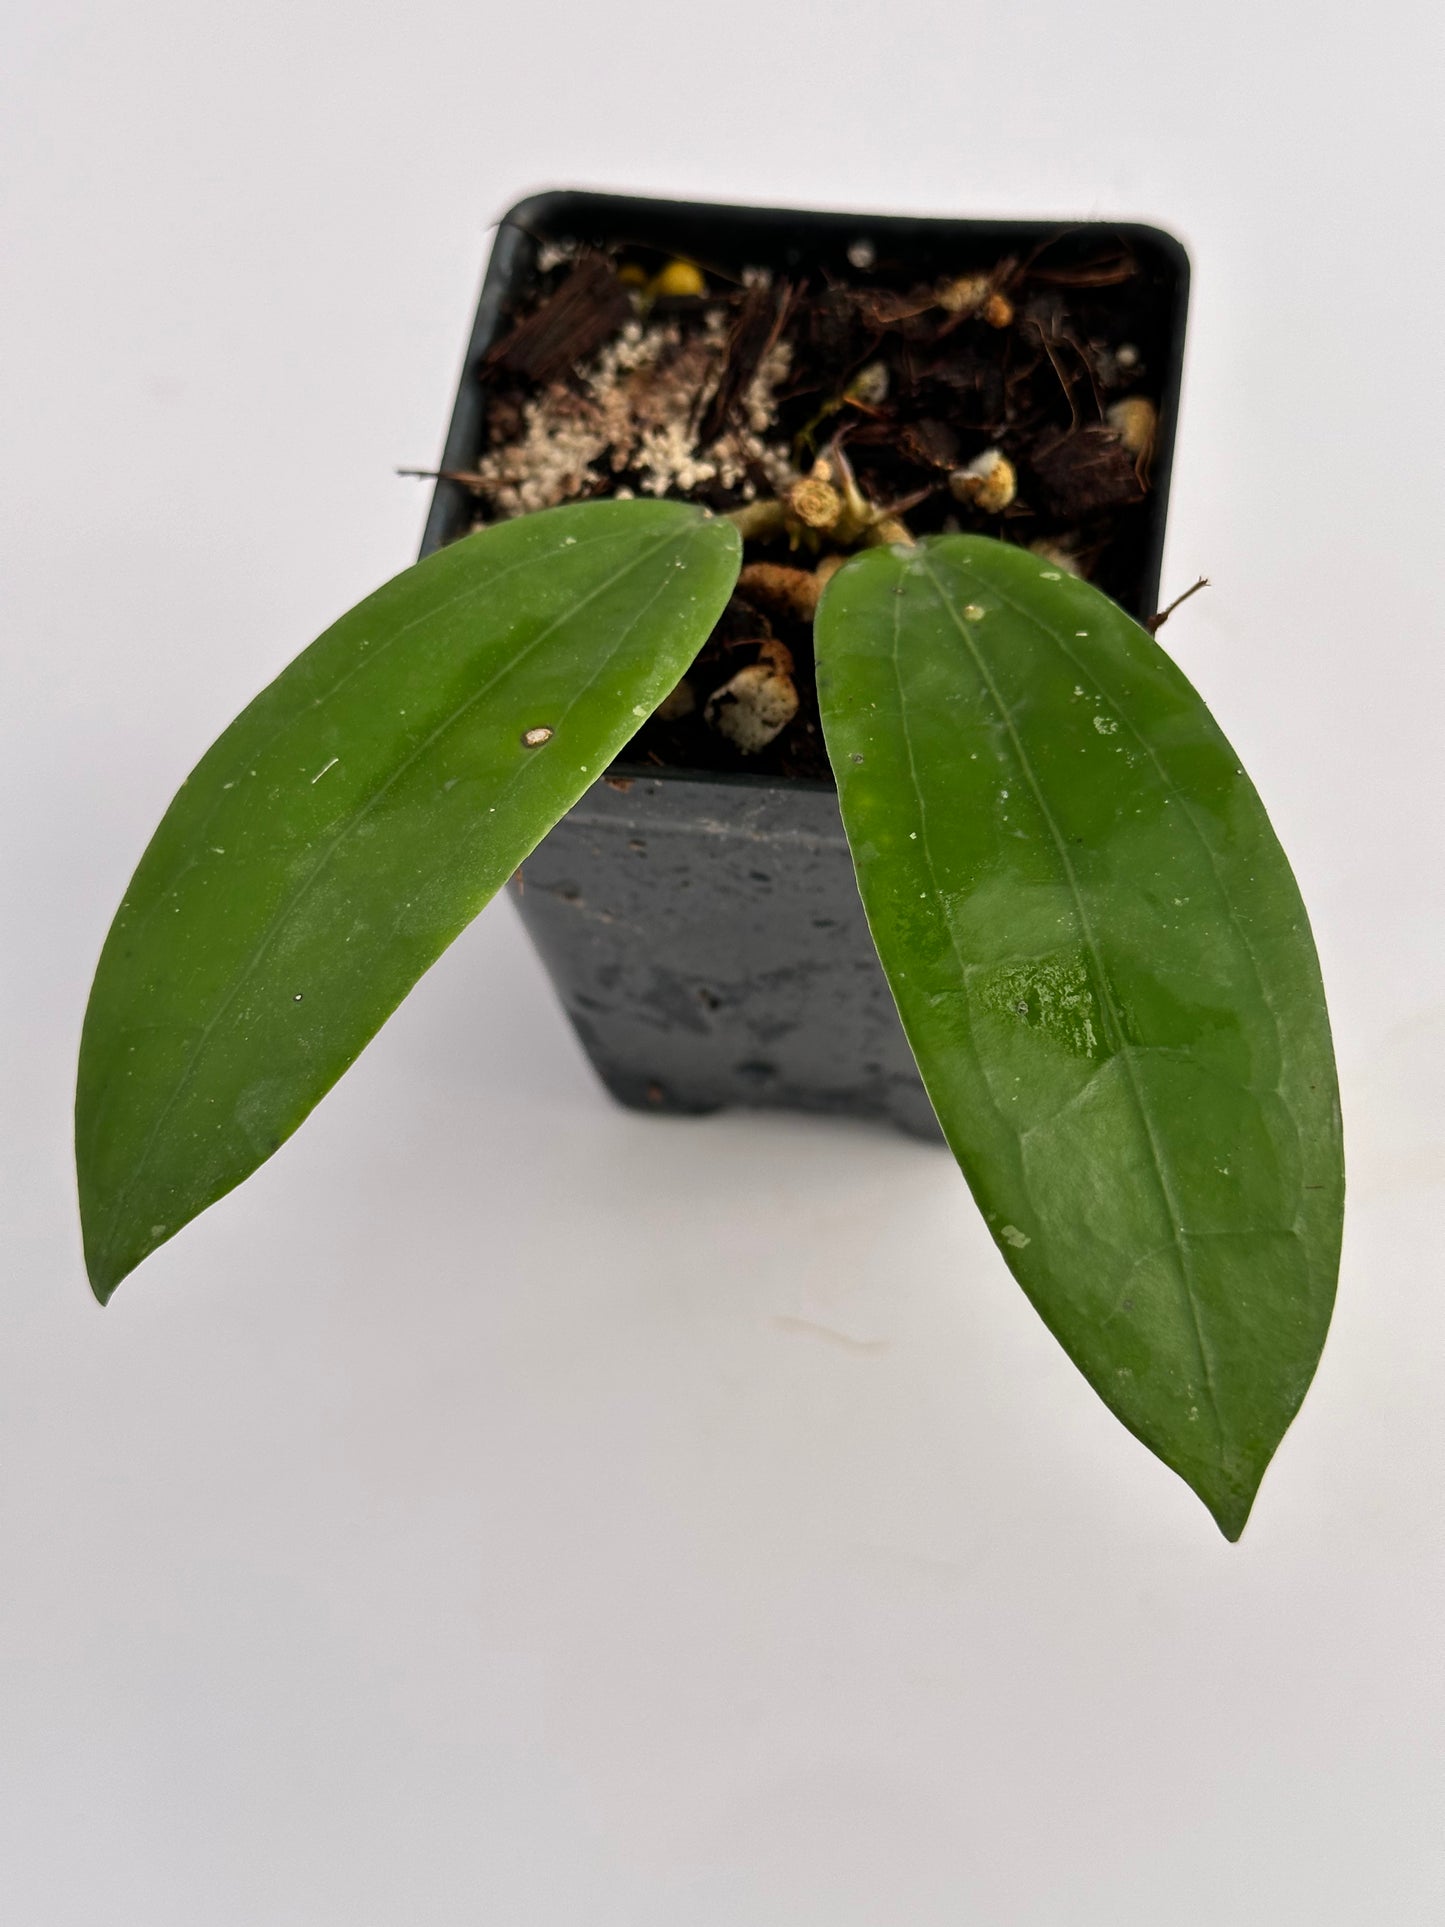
[{"x": 505, "y": 1508}]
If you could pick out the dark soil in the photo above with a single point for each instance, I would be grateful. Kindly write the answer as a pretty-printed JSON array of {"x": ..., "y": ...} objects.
[{"x": 904, "y": 382}]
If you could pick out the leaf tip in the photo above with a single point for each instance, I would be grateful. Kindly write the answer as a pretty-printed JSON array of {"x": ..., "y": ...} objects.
[
  {"x": 1231, "y": 1524},
  {"x": 113, "y": 1251},
  {"x": 105, "y": 1271},
  {"x": 102, "y": 1289},
  {"x": 1230, "y": 1508}
]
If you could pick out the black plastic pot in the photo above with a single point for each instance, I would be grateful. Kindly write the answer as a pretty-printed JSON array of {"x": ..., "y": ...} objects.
[{"x": 704, "y": 930}]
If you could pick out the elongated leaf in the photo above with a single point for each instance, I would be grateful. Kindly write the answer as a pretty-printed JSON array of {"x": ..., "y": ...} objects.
[
  {"x": 1107, "y": 977},
  {"x": 346, "y": 828}
]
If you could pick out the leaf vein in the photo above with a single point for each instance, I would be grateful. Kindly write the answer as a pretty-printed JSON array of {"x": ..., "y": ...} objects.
[
  {"x": 1108, "y": 1008},
  {"x": 357, "y": 817}
]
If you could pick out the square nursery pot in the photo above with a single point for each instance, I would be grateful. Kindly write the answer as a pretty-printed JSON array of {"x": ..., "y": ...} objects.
[{"x": 703, "y": 929}]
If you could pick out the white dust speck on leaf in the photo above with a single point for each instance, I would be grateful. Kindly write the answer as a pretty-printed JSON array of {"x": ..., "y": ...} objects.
[{"x": 1011, "y": 1235}]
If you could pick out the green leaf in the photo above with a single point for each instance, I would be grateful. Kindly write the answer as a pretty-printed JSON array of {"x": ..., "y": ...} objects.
[
  {"x": 1106, "y": 974},
  {"x": 349, "y": 824}
]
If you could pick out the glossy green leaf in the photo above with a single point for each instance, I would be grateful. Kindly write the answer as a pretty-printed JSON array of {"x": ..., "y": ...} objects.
[
  {"x": 346, "y": 828},
  {"x": 1107, "y": 977}
]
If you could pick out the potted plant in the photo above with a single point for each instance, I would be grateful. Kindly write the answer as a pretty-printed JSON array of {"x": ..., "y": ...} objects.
[
  {"x": 698, "y": 910},
  {"x": 808, "y": 629}
]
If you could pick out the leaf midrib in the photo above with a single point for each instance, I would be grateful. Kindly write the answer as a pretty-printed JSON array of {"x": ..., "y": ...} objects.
[
  {"x": 1175, "y": 794},
  {"x": 359, "y": 668},
  {"x": 268, "y": 936},
  {"x": 1108, "y": 1006}
]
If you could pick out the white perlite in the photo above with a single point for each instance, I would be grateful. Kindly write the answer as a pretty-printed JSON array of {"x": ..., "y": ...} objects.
[{"x": 640, "y": 401}]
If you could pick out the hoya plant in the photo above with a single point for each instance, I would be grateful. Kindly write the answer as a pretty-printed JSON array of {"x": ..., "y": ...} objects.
[{"x": 1094, "y": 940}]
